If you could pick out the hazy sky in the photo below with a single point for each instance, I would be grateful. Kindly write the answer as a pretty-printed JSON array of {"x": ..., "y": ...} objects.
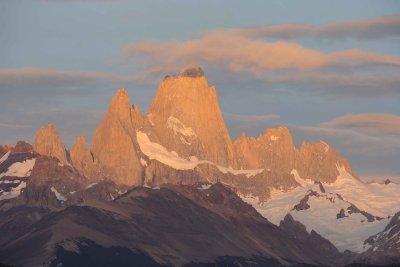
[{"x": 327, "y": 69}]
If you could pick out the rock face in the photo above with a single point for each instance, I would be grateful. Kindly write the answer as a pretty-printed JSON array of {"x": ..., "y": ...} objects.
[
  {"x": 48, "y": 142},
  {"x": 22, "y": 147},
  {"x": 187, "y": 119},
  {"x": 82, "y": 158},
  {"x": 275, "y": 151},
  {"x": 114, "y": 144},
  {"x": 311, "y": 240},
  {"x": 319, "y": 162},
  {"x": 4, "y": 149}
]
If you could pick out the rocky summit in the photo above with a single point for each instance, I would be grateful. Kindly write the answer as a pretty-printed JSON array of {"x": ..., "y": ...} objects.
[
  {"x": 48, "y": 142},
  {"x": 187, "y": 119},
  {"x": 114, "y": 146}
]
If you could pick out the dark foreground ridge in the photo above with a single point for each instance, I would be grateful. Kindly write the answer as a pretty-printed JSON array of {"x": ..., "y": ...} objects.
[{"x": 174, "y": 225}]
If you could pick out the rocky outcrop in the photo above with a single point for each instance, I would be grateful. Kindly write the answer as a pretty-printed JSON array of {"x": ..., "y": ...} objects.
[
  {"x": 4, "y": 149},
  {"x": 114, "y": 144},
  {"x": 22, "y": 147},
  {"x": 48, "y": 169},
  {"x": 48, "y": 142},
  {"x": 319, "y": 162},
  {"x": 311, "y": 240},
  {"x": 82, "y": 158},
  {"x": 275, "y": 151},
  {"x": 187, "y": 119}
]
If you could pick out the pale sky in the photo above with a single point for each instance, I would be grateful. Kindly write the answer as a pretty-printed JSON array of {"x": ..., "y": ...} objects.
[{"x": 327, "y": 69}]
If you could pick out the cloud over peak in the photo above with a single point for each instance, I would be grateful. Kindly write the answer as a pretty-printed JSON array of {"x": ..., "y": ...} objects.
[
  {"x": 242, "y": 50},
  {"x": 368, "y": 122}
]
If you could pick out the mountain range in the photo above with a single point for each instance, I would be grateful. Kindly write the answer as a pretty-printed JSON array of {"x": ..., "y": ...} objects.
[{"x": 169, "y": 187}]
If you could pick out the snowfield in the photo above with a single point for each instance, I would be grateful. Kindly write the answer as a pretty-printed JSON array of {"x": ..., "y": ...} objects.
[
  {"x": 17, "y": 169},
  {"x": 5, "y": 157},
  {"x": 20, "y": 169},
  {"x": 15, "y": 191},
  {"x": 347, "y": 233}
]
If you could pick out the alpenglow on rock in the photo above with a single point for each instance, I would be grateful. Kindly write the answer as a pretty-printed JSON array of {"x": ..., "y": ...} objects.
[
  {"x": 187, "y": 119},
  {"x": 114, "y": 144},
  {"x": 48, "y": 142},
  {"x": 184, "y": 127},
  {"x": 82, "y": 158},
  {"x": 275, "y": 151}
]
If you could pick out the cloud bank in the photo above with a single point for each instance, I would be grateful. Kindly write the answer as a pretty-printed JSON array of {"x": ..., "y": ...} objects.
[
  {"x": 369, "y": 122},
  {"x": 366, "y": 29}
]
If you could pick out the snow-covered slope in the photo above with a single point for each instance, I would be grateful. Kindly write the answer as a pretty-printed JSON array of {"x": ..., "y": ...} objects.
[
  {"x": 345, "y": 212},
  {"x": 13, "y": 177}
]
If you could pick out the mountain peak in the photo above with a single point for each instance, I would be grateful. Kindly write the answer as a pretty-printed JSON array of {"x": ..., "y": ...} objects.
[
  {"x": 80, "y": 139},
  {"x": 281, "y": 133},
  {"x": 183, "y": 102},
  {"x": 190, "y": 72},
  {"x": 120, "y": 104},
  {"x": 113, "y": 147},
  {"x": 81, "y": 156},
  {"x": 193, "y": 72},
  {"x": 48, "y": 142}
]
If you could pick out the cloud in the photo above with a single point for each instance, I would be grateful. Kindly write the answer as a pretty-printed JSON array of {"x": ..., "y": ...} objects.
[
  {"x": 376, "y": 85},
  {"x": 365, "y": 29},
  {"x": 250, "y": 118},
  {"x": 12, "y": 125},
  {"x": 21, "y": 75},
  {"x": 74, "y": 1},
  {"x": 238, "y": 123},
  {"x": 73, "y": 100},
  {"x": 369, "y": 122},
  {"x": 238, "y": 53},
  {"x": 22, "y": 86}
]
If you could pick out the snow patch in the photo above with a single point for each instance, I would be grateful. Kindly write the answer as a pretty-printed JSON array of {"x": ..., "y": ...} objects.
[
  {"x": 298, "y": 179},
  {"x": 143, "y": 162},
  {"x": 248, "y": 173},
  {"x": 91, "y": 185},
  {"x": 161, "y": 154},
  {"x": 5, "y": 157},
  {"x": 204, "y": 186},
  {"x": 15, "y": 192},
  {"x": 274, "y": 138},
  {"x": 59, "y": 196},
  {"x": 158, "y": 152},
  {"x": 179, "y": 128},
  {"x": 20, "y": 169},
  {"x": 326, "y": 149},
  {"x": 10, "y": 181},
  {"x": 121, "y": 192}
]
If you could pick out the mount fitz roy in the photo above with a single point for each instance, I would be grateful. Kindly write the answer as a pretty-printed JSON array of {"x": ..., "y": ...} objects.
[
  {"x": 185, "y": 117},
  {"x": 171, "y": 188}
]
